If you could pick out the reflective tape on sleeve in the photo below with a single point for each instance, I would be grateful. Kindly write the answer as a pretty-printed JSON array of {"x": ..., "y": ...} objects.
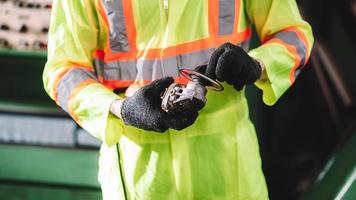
[
  {"x": 69, "y": 82},
  {"x": 292, "y": 38}
]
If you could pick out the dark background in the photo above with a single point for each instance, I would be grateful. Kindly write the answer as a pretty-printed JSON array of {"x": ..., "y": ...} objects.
[{"x": 317, "y": 114}]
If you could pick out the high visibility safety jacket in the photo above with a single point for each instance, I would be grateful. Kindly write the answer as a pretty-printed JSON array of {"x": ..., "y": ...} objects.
[{"x": 99, "y": 45}]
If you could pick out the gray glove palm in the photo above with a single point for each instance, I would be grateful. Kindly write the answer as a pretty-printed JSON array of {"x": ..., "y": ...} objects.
[{"x": 143, "y": 109}]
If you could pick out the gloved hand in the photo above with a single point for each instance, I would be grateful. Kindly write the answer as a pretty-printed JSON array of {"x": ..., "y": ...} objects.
[
  {"x": 232, "y": 64},
  {"x": 143, "y": 109}
]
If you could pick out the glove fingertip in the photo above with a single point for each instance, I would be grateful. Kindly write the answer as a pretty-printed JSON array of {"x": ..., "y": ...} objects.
[
  {"x": 167, "y": 80},
  {"x": 163, "y": 82},
  {"x": 201, "y": 69}
]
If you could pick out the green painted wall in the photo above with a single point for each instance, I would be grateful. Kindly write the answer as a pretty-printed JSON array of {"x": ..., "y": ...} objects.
[
  {"x": 338, "y": 179},
  {"x": 28, "y": 172}
]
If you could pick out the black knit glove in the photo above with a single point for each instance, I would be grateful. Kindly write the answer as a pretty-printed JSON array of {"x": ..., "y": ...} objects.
[
  {"x": 143, "y": 109},
  {"x": 232, "y": 64}
]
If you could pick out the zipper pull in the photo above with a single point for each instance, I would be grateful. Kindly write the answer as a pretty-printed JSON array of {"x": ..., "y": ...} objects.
[{"x": 165, "y": 5}]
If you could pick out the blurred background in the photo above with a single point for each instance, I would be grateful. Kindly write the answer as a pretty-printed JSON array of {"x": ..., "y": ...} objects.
[{"x": 307, "y": 140}]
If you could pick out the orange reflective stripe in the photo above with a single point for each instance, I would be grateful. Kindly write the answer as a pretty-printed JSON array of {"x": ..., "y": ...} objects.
[
  {"x": 213, "y": 12},
  {"x": 58, "y": 78},
  {"x": 113, "y": 84},
  {"x": 130, "y": 23},
  {"x": 73, "y": 95},
  {"x": 98, "y": 54},
  {"x": 237, "y": 15},
  {"x": 294, "y": 52},
  {"x": 181, "y": 80}
]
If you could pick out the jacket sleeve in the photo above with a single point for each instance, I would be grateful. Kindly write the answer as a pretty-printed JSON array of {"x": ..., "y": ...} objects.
[
  {"x": 69, "y": 76},
  {"x": 286, "y": 44}
]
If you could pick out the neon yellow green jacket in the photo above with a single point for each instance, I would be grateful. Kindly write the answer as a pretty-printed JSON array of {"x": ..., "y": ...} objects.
[{"x": 96, "y": 46}]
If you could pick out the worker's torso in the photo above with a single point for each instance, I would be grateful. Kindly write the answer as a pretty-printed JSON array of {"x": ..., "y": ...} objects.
[{"x": 143, "y": 40}]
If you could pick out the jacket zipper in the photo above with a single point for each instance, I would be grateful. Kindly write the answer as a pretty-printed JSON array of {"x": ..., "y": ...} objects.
[
  {"x": 165, "y": 7},
  {"x": 121, "y": 171}
]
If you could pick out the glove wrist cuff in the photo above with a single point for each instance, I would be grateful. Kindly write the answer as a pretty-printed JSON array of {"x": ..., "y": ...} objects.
[
  {"x": 262, "y": 74},
  {"x": 257, "y": 70}
]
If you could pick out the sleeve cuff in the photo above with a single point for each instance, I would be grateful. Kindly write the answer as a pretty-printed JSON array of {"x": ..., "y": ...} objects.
[
  {"x": 92, "y": 107},
  {"x": 264, "y": 83}
]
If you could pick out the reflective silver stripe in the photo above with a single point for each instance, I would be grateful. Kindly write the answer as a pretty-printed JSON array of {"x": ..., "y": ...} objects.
[
  {"x": 226, "y": 16},
  {"x": 142, "y": 69},
  {"x": 195, "y": 59},
  {"x": 292, "y": 38},
  {"x": 151, "y": 69},
  {"x": 99, "y": 67},
  {"x": 120, "y": 70},
  {"x": 117, "y": 26},
  {"x": 69, "y": 82}
]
